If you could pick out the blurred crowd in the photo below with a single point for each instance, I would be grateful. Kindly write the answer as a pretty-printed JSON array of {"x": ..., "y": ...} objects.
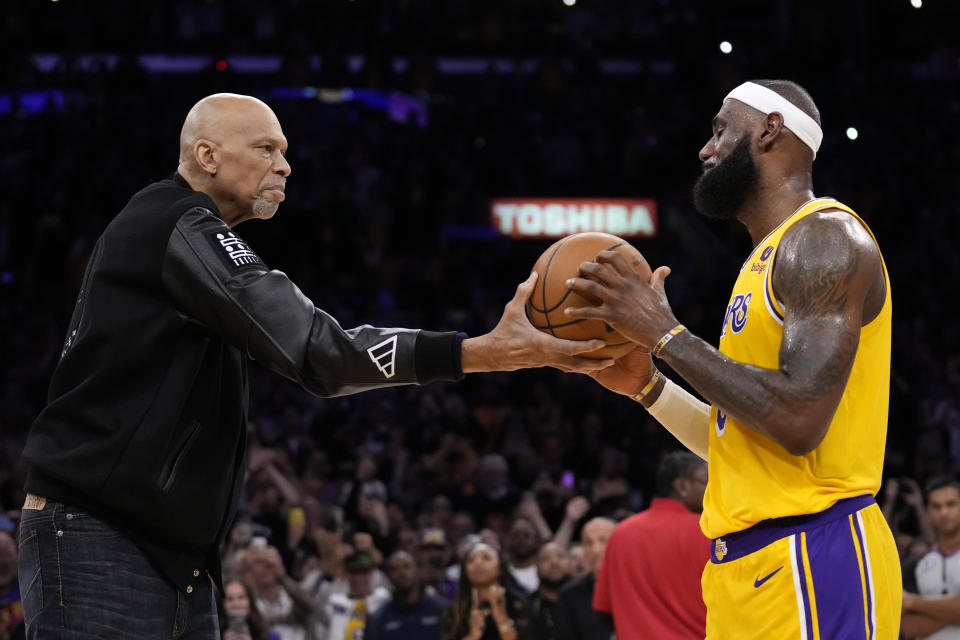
[{"x": 368, "y": 497}]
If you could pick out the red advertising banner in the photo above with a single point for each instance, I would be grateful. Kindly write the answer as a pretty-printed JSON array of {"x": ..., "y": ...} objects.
[{"x": 559, "y": 217}]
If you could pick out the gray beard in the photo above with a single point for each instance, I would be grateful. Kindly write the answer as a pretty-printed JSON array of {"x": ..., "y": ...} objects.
[{"x": 263, "y": 209}]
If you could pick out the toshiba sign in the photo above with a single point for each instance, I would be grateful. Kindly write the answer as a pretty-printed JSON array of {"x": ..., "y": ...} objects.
[{"x": 556, "y": 218}]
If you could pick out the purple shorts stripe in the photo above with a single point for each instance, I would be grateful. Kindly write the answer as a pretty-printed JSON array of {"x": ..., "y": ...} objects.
[
  {"x": 743, "y": 543},
  {"x": 868, "y": 587},
  {"x": 835, "y": 569},
  {"x": 802, "y": 571}
]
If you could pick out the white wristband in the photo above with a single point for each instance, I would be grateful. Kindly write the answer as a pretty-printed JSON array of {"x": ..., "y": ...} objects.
[{"x": 684, "y": 416}]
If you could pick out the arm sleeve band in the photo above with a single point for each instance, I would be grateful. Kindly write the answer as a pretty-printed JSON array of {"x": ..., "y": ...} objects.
[{"x": 684, "y": 416}]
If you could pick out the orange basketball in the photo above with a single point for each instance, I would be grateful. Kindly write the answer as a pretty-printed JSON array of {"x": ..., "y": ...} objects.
[{"x": 551, "y": 296}]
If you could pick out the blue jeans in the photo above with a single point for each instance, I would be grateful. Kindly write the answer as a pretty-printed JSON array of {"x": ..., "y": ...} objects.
[{"x": 81, "y": 578}]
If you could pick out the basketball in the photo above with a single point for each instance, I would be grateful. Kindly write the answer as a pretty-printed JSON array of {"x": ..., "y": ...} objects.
[{"x": 561, "y": 261}]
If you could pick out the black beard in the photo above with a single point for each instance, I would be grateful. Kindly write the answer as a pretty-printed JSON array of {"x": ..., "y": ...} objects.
[{"x": 721, "y": 191}]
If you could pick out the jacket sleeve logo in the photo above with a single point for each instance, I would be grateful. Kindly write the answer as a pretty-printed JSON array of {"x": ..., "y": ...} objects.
[
  {"x": 384, "y": 355},
  {"x": 235, "y": 251}
]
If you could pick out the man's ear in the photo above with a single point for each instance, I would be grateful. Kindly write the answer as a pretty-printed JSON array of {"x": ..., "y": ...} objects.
[
  {"x": 680, "y": 486},
  {"x": 207, "y": 156},
  {"x": 772, "y": 128}
]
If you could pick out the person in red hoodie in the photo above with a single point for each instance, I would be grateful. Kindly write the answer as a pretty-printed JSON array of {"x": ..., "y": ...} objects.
[{"x": 650, "y": 576}]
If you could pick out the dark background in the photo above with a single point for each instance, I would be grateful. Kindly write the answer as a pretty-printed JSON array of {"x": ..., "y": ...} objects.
[{"x": 606, "y": 99}]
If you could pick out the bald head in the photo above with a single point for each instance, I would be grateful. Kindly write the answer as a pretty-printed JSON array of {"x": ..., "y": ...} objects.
[
  {"x": 219, "y": 116},
  {"x": 594, "y": 537},
  {"x": 233, "y": 149}
]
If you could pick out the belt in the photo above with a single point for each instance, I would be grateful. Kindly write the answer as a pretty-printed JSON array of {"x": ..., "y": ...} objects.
[{"x": 35, "y": 503}]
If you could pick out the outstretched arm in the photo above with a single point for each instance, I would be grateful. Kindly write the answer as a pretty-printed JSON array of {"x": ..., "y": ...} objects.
[{"x": 826, "y": 276}]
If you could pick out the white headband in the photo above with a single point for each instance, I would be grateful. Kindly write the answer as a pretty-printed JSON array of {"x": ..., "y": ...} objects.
[{"x": 769, "y": 101}]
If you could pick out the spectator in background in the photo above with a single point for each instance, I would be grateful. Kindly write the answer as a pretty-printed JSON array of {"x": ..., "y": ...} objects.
[
  {"x": 271, "y": 494},
  {"x": 285, "y": 606},
  {"x": 523, "y": 543},
  {"x": 931, "y": 582},
  {"x": 241, "y": 533},
  {"x": 577, "y": 507},
  {"x": 328, "y": 578},
  {"x": 553, "y": 569},
  {"x": 348, "y": 613},
  {"x": 434, "y": 557},
  {"x": 411, "y": 612},
  {"x": 907, "y": 516},
  {"x": 488, "y": 604},
  {"x": 240, "y": 619},
  {"x": 487, "y": 536},
  {"x": 461, "y": 524},
  {"x": 578, "y": 561},
  {"x": 649, "y": 579},
  {"x": 324, "y": 573},
  {"x": 365, "y": 502},
  {"x": 491, "y": 497},
  {"x": 575, "y": 616},
  {"x": 11, "y": 606}
]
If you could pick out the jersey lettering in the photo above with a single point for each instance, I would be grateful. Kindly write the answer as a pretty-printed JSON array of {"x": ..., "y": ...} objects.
[
  {"x": 736, "y": 315},
  {"x": 721, "y": 422}
]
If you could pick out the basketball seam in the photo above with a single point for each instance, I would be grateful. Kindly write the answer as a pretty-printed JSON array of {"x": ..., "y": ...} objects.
[
  {"x": 543, "y": 287},
  {"x": 554, "y": 307},
  {"x": 557, "y": 326},
  {"x": 550, "y": 326}
]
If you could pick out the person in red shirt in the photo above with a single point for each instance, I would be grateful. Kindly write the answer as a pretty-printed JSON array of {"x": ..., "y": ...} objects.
[{"x": 650, "y": 576}]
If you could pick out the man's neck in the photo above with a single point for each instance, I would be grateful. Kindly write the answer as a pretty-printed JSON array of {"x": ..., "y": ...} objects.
[
  {"x": 949, "y": 543},
  {"x": 772, "y": 204},
  {"x": 199, "y": 182},
  {"x": 548, "y": 593},
  {"x": 270, "y": 592},
  {"x": 524, "y": 563},
  {"x": 410, "y": 598}
]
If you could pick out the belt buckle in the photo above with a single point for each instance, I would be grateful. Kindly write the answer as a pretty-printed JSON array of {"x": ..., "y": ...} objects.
[{"x": 34, "y": 503}]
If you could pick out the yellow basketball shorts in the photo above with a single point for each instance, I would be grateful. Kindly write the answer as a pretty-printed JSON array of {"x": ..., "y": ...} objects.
[{"x": 833, "y": 575}]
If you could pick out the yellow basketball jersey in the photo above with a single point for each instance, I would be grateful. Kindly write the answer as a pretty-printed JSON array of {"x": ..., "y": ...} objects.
[{"x": 752, "y": 478}]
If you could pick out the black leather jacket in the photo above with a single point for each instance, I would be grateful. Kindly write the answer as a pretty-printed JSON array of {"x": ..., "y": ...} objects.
[{"x": 146, "y": 418}]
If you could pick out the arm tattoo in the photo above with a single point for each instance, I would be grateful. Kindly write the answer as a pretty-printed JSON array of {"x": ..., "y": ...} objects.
[{"x": 820, "y": 284}]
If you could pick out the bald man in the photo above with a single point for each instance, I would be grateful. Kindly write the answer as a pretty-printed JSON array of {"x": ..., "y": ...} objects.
[
  {"x": 137, "y": 461},
  {"x": 574, "y": 615},
  {"x": 795, "y": 421}
]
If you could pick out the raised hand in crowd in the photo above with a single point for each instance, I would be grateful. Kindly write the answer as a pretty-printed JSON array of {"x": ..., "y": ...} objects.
[{"x": 577, "y": 508}]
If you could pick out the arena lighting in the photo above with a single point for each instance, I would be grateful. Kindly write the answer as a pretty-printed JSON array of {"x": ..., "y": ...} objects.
[
  {"x": 916, "y": 4},
  {"x": 569, "y": 3},
  {"x": 852, "y": 133},
  {"x": 726, "y": 47},
  {"x": 559, "y": 217}
]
